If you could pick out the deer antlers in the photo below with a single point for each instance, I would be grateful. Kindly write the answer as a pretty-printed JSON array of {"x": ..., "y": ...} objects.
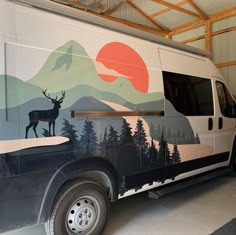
[{"x": 54, "y": 100}]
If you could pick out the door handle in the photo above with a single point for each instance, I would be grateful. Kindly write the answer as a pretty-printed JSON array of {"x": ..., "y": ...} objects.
[
  {"x": 220, "y": 124},
  {"x": 210, "y": 124}
]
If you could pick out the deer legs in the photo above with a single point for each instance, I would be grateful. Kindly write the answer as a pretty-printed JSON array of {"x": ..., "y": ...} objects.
[
  {"x": 34, "y": 124},
  {"x": 53, "y": 128}
]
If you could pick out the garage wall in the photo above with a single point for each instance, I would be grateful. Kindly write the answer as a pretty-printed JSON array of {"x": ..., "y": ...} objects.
[{"x": 222, "y": 46}]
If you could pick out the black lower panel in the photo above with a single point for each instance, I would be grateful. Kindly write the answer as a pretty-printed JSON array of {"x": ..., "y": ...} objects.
[
  {"x": 21, "y": 198},
  {"x": 19, "y": 213},
  {"x": 161, "y": 174}
]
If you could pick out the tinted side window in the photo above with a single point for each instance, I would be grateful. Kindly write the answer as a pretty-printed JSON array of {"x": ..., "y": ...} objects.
[
  {"x": 226, "y": 102},
  {"x": 190, "y": 95}
]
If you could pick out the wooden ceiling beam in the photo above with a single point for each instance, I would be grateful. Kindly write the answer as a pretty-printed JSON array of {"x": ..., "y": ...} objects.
[
  {"x": 177, "y": 8},
  {"x": 100, "y": 7},
  {"x": 224, "y": 31},
  {"x": 193, "y": 39},
  {"x": 109, "y": 11},
  {"x": 198, "y": 23},
  {"x": 212, "y": 34},
  {"x": 94, "y": 3},
  {"x": 230, "y": 63},
  {"x": 187, "y": 26},
  {"x": 168, "y": 9},
  {"x": 197, "y": 8},
  {"x": 223, "y": 14},
  {"x": 129, "y": 2},
  {"x": 131, "y": 24},
  {"x": 153, "y": 30},
  {"x": 208, "y": 36}
]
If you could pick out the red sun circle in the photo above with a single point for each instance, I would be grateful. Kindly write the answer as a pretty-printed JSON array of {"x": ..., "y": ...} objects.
[{"x": 126, "y": 61}]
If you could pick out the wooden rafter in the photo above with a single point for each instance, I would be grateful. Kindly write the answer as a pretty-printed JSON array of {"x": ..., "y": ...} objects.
[
  {"x": 230, "y": 63},
  {"x": 177, "y": 8},
  {"x": 202, "y": 18},
  {"x": 95, "y": 3},
  {"x": 146, "y": 16},
  {"x": 131, "y": 24},
  {"x": 212, "y": 34},
  {"x": 98, "y": 4},
  {"x": 197, "y": 23},
  {"x": 193, "y": 39},
  {"x": 168, "y": 9},
  {"x": 208, "y": 33},
  {"x": 197, "y": 8},
  {"x": 109, "y": 11},
  {"x": 100, "y": 7},
  {"x": 224, "y": 31}
]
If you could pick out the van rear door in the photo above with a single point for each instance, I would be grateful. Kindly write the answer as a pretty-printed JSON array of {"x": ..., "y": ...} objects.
[{"x": 189, "y": 108}]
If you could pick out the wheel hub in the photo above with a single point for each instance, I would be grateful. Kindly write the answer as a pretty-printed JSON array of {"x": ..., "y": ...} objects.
[{"x": 82, "y": 216}]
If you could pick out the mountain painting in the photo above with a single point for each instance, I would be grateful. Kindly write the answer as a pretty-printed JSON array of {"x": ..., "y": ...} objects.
[{"x": 40, "y": 108}]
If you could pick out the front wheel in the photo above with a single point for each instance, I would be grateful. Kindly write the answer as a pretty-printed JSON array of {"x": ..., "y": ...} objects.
[{"x": 82, "y": 209}]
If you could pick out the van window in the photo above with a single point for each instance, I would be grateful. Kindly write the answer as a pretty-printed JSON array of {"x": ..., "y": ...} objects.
[
  {"x": 226, "y": 102},
  {"x": 190, "y": 95}
]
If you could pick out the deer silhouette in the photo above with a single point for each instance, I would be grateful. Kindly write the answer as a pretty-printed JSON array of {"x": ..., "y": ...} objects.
[{"x": 49, "y": 116}]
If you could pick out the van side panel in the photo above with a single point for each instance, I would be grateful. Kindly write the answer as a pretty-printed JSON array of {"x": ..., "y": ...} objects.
[{"x": 75, "y": 92}]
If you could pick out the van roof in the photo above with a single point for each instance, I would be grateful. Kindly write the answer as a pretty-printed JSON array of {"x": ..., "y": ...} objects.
[{"x": 96, "y": 20}]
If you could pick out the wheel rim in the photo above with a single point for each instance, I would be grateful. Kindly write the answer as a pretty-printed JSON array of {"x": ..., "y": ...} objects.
[{"x": 83, "y": 216}]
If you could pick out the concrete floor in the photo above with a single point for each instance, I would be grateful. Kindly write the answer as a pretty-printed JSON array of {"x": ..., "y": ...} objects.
[{"x": 197, "y": 210}]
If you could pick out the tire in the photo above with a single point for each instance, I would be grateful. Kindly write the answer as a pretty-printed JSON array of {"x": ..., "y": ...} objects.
[
  {"x": 81, "y": 209},
  {"x": 233, "y": 159}
]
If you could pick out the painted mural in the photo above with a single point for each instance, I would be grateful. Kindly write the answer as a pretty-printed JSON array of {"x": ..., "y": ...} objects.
[{"x": 38, "y": 114}]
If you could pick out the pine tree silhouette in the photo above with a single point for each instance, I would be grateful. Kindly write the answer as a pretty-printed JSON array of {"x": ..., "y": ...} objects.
[
  {"x": 164, "y": 153},
  {"x": 46, "y": 133},
  {"x": 176, "y": 155},
  {"x": 103, "y": 144},
  {"x": 112, "y": 145},
  {"x": 69, "y": 131},
  {"x": 88, "y": 139},
  {"x": 153, "y": 152},
  {"x": 197, "y": 139},
  {"x": 126, "y": 134},
  {"x": 140, "y": 139}
]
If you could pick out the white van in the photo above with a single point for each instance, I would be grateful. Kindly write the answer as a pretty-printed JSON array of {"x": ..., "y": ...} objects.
[{"x": 93, "y": 111}]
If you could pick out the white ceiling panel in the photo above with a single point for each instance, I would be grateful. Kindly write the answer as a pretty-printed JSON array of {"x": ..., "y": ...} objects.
[
  {"x": 126, "y": 12},
  {"x": 148, "y": 6},
  {"x": 189, "y": 34},
  {"x": 225, "y": 23},
  {"x": 173, "y": 18}
]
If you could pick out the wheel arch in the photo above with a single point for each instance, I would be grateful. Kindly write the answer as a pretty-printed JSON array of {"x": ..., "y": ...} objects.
[{"x": 93, "y": 169}]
